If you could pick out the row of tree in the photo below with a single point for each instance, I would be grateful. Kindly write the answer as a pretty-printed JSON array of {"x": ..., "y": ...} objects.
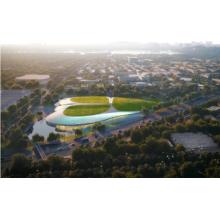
[
  {"x": 149, "y": 153},
  {"x": 154, "y": 158}
]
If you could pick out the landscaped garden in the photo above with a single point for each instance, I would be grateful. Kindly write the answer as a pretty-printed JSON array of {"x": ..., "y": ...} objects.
[
  {"x": 131, "y": 104},
  {"x": 100, "y": 104},
  {"x": 92, "y": 109},
  {"x": 84, "y": 110}
]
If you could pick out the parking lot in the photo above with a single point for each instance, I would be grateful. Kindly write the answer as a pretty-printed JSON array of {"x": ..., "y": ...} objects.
[{"x": 195, "y": 141}]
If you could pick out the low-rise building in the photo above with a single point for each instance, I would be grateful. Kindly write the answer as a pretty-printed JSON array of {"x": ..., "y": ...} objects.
[{"x": 42, "y": 79}]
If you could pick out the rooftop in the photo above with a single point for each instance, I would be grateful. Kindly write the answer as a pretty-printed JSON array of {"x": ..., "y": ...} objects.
[
  {"x": 194, "y": 140},
  {"x": 33, "y": 77}
]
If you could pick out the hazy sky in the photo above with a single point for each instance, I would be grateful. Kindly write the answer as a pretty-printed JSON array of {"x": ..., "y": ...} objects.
[{"x": 103, "y": 21}]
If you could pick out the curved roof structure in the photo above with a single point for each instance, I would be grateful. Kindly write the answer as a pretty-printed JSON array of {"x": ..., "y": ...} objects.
[{"x": 59, "y": 118}]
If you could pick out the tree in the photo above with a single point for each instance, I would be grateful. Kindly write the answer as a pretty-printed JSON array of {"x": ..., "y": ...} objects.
[
  {"x": 179, "y": 128},
  {"x": 214, "y": 169},
  {"x": 118, "y": 174},
  {"x": 40, "y": 114},
  {"x": 166, "y": 134},
  {"x": 53, "y": 137},
  {"x": 111, "y": 147},
  {"x": 37, "y": 138},
  {"x": 155, "y": 146},
  {"x": 179, "y": 147},
  {"x": 188, "y": 170},
  {"x": 57, "y": 163},
  {"x": 20, "y": 166},
  {"x": 12, "y": 110},
  {"x": 32, "y": 84},
  {"x": 136, "y": 136},
  {"x": 217, "y": 139},
  {"x": 99, "y": 126},
  {"x": 145, "y": 111},
  {"x": 5, "y": 115},
  {"x": 146, "y": 171},
  {"x": 18, "y": 139},
  {"x": 171, "y": 173},
  {"x": 88, "y": 157},
  {"x": 78, "y": 132}
]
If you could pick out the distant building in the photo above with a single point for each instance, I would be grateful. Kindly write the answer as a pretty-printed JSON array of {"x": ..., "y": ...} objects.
[
  {"x": 122, "y": 73},
  {"x": 186, "y": 79},
  {"x": 210, "y": 78},
  {"x": 89, "y": 81},
  {"x": 216, "y": 81},
  {"x": 214, "y": 109},
  {"x": 42, "y": 79},
  {"x": 129, "y": 78},
  {"x": 133, "y": 60},
  {"x": 139, "y": 84}
]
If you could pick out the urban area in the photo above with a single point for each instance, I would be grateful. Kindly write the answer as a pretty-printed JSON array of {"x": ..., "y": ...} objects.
[{"x": 116, "y": 113}]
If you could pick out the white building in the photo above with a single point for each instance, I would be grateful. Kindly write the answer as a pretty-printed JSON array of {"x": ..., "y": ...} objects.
[{"x": 42, "y": 79}]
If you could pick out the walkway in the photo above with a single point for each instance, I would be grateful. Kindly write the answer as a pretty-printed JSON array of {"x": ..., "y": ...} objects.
[{"x": 40, "y": 151}]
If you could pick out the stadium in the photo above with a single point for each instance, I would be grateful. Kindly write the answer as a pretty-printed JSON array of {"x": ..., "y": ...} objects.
[{"x": 91, "y": 109}]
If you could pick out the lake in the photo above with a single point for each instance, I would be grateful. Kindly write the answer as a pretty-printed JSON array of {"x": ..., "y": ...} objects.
[{"x": 41, "y": 128}]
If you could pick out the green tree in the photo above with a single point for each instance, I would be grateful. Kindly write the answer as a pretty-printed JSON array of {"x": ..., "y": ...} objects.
[
  {"x": 12, "y": 110},
  {"x": 53, "y": 137},
  {"x": 111, "y": 147},
  {"x": 136, "y": 136},
  {"x": 145, "y": 111},
  {"x": 57, "y": 163},
  {"x": 20, "y": 166},
  {"x": 37, "y": 138},
  {"x": 78, "y": 132},
  {"x": 217, "y": 139},
  {"x": 118, "y": 174},
  {"x": 187, "y": 169},
  {"x": 18, "y": 139},
  {"x": 5, "y": 115},
  {"x": 166, "y": 134},
  {"x": 155, "y": 146},
  {"x": 179, "y": 147},
  {"x": 99, "y": 127}
]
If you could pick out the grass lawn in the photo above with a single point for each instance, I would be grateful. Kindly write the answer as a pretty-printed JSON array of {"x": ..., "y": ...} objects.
[
  {"x": 130, "y": 104},
  {"x": 83, "y": 110},
  {"x": 90, "y": 99}
]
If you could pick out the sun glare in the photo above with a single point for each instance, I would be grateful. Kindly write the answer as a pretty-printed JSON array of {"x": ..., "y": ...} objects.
[{"x": 104, "y": 21}]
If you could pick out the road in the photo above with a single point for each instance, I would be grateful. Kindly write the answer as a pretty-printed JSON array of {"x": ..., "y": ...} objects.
[{"x": 40, "y": 151}]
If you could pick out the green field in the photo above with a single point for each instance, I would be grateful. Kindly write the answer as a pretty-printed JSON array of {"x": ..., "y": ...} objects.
[
  {"x": 131, "y": 104},
  {"x": 90, "y": 99},
  {"x": 101, "y": 104},
  {"x": 84, "y": 110}
]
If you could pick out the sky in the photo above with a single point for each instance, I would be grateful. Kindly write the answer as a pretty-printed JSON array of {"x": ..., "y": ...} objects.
[{"x": 107, "y": 21}]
